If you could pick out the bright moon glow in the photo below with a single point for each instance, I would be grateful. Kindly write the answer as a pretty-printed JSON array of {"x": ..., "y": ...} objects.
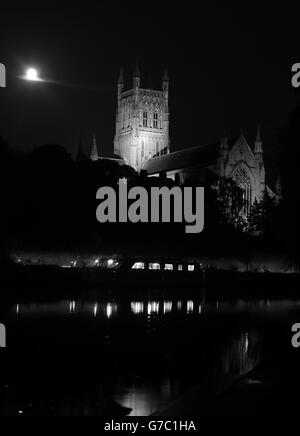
[{"x": 32, "y": 75}]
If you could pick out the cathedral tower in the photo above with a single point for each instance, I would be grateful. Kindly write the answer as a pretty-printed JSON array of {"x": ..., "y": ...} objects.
[{"x": 142, "y": 121}]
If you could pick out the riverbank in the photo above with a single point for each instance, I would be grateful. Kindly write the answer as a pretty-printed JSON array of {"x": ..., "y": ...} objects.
[{"x": 20, "y": 282}]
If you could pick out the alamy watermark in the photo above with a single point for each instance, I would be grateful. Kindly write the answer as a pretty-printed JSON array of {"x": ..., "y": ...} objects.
[
  {"x": 2, "y": 336},
  {"x": 2, "y": 76},
  {"x": 296, "y": 336},
  {"x": 178, "y": 205},
  {"x": 296, "y": 75}
]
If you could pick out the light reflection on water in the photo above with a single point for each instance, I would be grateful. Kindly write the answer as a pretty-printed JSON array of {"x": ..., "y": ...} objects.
[
  {"x": 145, "y": 321},
  {"x": 151, "y": 307},
  {"x": 239, "y": 357},
  {"x": 145, "y": 398},
  {"x": 107, "y": 309},
  {"x": 242, "y": 354}
]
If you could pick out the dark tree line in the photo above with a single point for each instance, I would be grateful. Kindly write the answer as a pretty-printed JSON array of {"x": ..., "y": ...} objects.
[{"x": 49, "y": 200}]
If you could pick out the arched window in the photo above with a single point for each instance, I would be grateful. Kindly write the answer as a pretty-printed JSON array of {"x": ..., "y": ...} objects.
[
  {"x": 128, "y": 116},
  {"x": 123, "y": 116},
  {"x": 145, "y": 119},
  {"x": 155, "y": 120},
  {"x": 243, "y": 181}
]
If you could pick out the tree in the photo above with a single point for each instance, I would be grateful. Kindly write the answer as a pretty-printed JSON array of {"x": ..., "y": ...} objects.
[
  {"x": 255, "y": 219},
  {"x": 260, "y": 220},
  {"x": 229, "y": 203}
]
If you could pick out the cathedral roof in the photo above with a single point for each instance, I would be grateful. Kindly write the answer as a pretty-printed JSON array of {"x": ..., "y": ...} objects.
[{"x": 203, "y": 156}]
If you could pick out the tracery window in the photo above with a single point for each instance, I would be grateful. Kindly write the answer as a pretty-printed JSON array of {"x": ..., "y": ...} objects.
[
  {"x": 123, "y": 116},
  {"x": 128, "y": 116},
  {"x": 242, "y": 179},
  {"x": 155, "y": 120},
  {"x": 145, "y": 119}
]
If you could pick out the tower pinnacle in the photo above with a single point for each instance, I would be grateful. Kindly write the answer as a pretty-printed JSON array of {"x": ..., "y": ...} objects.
[
  {"x": 258, "y": 142},
  {"x": 224, "y": 141},
  {"x": 94, "y": 150},
  {"x": 121, "y": 77},
  {"x": 121, "y": 83},
  {"x": 137, "y": 70},
  {"x": 166, "y": 76}
]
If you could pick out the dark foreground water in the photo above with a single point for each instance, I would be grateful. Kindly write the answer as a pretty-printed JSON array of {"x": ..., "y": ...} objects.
[{"x": 91, "y": 357}]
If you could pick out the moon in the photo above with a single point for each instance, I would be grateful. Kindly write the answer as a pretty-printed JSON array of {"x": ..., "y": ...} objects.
[{"x": 32, "y": 75}]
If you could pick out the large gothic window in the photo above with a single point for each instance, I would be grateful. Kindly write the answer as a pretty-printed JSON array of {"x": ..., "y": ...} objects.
[
  {"x": 242, "y": 179},
  {"x": 145, "y": 119},
  {"x": 128, "y": 116},
  {"x": 123, "y": 116}
]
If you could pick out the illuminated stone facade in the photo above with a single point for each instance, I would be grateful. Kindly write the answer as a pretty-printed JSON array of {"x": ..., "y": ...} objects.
[
  {"x": 142, "y": 141},
  {"x": 232, "y": 159},
  {"x": 142, "y": 122}
]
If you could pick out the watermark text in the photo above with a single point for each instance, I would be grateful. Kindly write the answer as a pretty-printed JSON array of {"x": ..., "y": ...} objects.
[
  {"x": 2, "y": 336},
  {"x": 296, "y": 75},
  {"x": 165, "y": 205},
  {"x": 296, "y": 336},
  {"x": 2, "y": 76}
]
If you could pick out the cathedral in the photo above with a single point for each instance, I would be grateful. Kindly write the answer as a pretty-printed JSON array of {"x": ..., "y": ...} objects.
[
  {"x": 142, "y": 142},
  {"x": 229, "y": 158}
]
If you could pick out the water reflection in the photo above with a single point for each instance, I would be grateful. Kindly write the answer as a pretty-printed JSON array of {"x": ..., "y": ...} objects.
[
  {"x": 168, "y": 306},
  {"x": 153, "y": 307},
  {"x": 237, "y": 357},
  {"x": 137, "y": 307},
  {"x": 109, "y": 309},
  {"x": 190, "y": 307},
  {"x": 72, "y": 307},
  {"x": 144, "y": 398},
  {"x": 187, "y": 339},
  {"x": 104, "y": 309},
  {"x": 242, "y": 354}
]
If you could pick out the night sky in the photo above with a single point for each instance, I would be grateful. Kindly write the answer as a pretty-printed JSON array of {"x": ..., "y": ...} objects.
[{"x": 229, "y": 66}]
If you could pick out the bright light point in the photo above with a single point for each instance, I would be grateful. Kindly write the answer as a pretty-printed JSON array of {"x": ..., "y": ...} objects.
[
  {"x": 32, "y": 75},
  {"x": 109, "y": 310},
  {"x": 110, "y": 263}
]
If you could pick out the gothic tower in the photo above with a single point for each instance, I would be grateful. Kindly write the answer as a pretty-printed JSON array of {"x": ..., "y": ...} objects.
[{"x": 142, "y": 121}]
